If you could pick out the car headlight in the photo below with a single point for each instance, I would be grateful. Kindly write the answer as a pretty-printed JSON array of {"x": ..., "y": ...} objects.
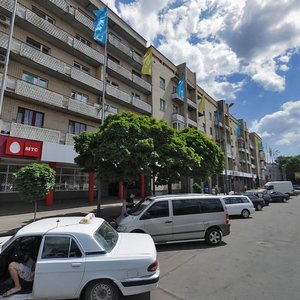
[{"x": 121, "y": 228}]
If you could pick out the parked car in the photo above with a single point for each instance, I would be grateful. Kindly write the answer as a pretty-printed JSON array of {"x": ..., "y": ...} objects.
[
  {"x": 296, "y": 189},
  {"x": 261, "y": 194},
  {"x": 285, "y": 187},
  {"x": 239, "y": 205},
  {"x": 173, "y": 218},
  {"x": 87, "y": 258},
  {"x": 258, "y": 202},
  {"x": 279, "y": 197}
]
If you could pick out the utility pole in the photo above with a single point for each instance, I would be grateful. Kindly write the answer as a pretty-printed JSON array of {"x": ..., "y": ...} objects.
[{"x": 4, "y": 75}]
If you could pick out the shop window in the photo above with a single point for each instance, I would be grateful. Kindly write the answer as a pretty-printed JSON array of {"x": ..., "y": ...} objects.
[
  {"x": 76, "y": 127},
  {"x": 30, "y": 117},
  {"x": 34, "y": 79}
]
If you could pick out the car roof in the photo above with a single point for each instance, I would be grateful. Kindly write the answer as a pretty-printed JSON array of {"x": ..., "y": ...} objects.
[
  {"x": 230, "y": 196},
  {"x": 190, "y": 195}
]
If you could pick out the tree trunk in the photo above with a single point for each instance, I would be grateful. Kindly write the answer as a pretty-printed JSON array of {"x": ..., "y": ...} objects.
[
  {"x": 98, "y": 197},
  {"x": 153, "y": 184},
  {"x": 169, "y": 188},
  {"x": 35, "y": 209}
]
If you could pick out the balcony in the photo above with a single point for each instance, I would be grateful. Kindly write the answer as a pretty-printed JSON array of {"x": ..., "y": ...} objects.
[
  {"x": 178, "y": 118},
  {"x": 35, "y": 133},
  {"x": 192, "y": 123},
  {"x": 142, "y": 85},
  {"x": 141, "y": 105},
  {"x": 176, "y": 98},
  {"x": 242, "y": 150},
  {"x": 83, "y": 108},
  {"x": 118, "y": 71},
  {"x": 191, "y": 103},
  {"x": 39, "y": 94},
  {"x": 69, "y": 139},
  {"x": 117, "y": 95}
]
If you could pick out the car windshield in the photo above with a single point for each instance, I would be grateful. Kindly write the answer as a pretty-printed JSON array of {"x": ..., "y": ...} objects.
[
  {"x": 140, "y": 206},
  {"x": 5, "y": 242},
  {"x": 106, "y": 236}
]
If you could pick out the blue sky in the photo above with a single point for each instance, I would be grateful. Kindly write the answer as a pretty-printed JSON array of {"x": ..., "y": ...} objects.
[{"x": 245, "y": 52}]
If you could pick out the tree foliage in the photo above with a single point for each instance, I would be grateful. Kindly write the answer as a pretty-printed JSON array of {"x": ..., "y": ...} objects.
[
  {"x": 289, "y": 165},
  {"x": 34, "y": 182}
]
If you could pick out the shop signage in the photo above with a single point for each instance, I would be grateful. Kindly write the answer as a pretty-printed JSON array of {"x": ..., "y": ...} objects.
[{"x": 24, "y": 148}]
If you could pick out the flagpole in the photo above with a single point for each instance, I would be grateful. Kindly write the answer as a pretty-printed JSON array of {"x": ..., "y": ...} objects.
[
  {"x": 104, "y": 84},
  {"x": 4, "y": 75}
]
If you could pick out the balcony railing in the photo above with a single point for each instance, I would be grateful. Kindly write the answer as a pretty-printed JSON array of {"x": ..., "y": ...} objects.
[
  {"x": 178, "y": 118},
  {"x": 86, "y": 79},
  {"x": 83, "y": 108},
  {"x": 191, "y": 103},
  {"x": 35, "y": 133},
  {"x": 142, "y": 83},
  {"x": 141, "y": 105},
  {"x": 192, "y": 123},
  {"x": 88, "y": 51},
  {"x": 177, "y": 98},
  {"x": 118, "y": 94},
  {"x": 119, "y": 69}
]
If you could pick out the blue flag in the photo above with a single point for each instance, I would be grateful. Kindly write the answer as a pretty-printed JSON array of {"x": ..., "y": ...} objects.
[
  {"x": 238, "y": 130},
  {"x": 180, "y": 88},
  {"x": 100, "y": 25}
]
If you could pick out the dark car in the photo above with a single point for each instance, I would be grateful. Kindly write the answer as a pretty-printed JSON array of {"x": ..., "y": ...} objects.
[
  {"x": 279, "y": 197},
  {"x": 296, "y": 189},
  {"x": 258, "y": 202},
  {"x": 265, "y": 196}
]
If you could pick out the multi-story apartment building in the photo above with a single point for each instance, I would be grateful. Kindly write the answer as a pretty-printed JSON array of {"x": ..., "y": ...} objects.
[{"x": 54, "y": 90}]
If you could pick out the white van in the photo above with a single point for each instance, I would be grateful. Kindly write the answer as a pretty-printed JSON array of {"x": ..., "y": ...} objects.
[
  {"x": 284, "y": 187},
  {"x": 180, "y": 217}
]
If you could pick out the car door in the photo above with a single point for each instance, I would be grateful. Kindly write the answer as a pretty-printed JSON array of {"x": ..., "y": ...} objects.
[
  {"x": 229, "y": 206},
  {"x": 59, "y": 268},
  {"x": 158, "y": 222},
  {"x": 237, "y": 205},
  {"x": 187, "y": 219}
]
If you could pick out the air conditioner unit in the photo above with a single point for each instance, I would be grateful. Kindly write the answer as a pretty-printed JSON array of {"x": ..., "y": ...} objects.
[{"x": 4, "y": 20}]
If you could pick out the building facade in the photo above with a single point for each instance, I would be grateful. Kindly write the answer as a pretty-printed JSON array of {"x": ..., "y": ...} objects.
[{"x": 54, "y": 90}]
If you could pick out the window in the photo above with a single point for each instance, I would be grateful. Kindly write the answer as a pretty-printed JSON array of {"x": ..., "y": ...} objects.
[
  {"x": 136, "y": 73},
  {"x": 79, "y": 96},
  {"x": 106, "y": 236},
  {"x": 30, "y": 117},
  {"x": 113, "y": 59},
  {"x": 81, "y": 67},
  {"x": 162, "y": 83},
  {"x": 83, "y": 40},
  {"x": 35, "y": 80},
  {"x": 211, "y": 131},
  {"x": 245, "y": 200},
  {"x": 175, "y": 109},
  {"x": 60, "y": 247},
  {"x": 112, "y": 83},
  {"x": 157, "y": 210},
  {"x": 43, "y": 15},
  {"x": 134, "y": 94},
  {"x": 186, "y": 207},
  {"x": 162, "y": 105},
  {"x": 174, "y": 89},
  {"x": 76, "y": 127},
  {"x": 211, "y": 205},
  {"x": 178, "y": 125},
  {"x": 236, "y": 200},
  {"x": 37, "y": 45},
  {"x": 210, "y": 116}
]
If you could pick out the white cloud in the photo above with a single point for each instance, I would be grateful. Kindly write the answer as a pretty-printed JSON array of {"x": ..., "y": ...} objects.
[
  {"x": 281, "y": 128},
  {"x": 251, "y": 37}
]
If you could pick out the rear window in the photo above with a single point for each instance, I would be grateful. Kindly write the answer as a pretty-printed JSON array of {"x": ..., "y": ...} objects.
[{"x": 106, "y": 236}]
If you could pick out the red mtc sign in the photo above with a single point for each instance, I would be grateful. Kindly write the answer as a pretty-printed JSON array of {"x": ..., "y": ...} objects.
[{"x": 23, "y": 148}]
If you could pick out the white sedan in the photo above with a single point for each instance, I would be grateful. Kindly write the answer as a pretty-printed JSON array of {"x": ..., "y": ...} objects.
[
  {"x": 80, "y": 258},
  {"x": 239, "y": 205}
]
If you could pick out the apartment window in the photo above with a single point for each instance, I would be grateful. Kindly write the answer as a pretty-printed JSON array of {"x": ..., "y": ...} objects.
[
  {"x": 30, "y": 117},
  {"x": 35, "y": 80},
  {"x": 37, "y": 45},
  {"x": 113, "y": 59},
  {"x": 112, "y": 109},
  {"x": 76, "y": 127},
  {"x": 175, "y": 109},
  {"x": 162, "y": 83},
  {"x": 162, "y": 105},
  {"x": 42, "y": 15},
  {"x": 83, "y": 40},
  {"x": 211, "y": 131},
  {"x": 112, "y": 83},
  {"x": 178, "y": 125},
  {"x": 79, "y": 96},
  {"x": 81, "y": 67},
  {"x": 174, "y": 89},
  {"x": 210, "y": 116},
  {"x": 85, "y": 14},
  {"x": 134, "y": 94}
]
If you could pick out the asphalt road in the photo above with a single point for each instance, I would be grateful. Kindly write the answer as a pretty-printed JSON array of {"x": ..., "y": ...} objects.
[{"x": 260, "y": 260}]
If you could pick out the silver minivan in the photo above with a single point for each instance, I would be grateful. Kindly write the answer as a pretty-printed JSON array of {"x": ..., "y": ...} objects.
[{"x": 181, "y": 217}]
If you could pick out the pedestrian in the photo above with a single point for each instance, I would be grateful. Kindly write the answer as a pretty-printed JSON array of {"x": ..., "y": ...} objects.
[
  {"x": 130, "y": 201},
  {"x": 245, "y": 188},
  {"x": 216, "y": 190}
]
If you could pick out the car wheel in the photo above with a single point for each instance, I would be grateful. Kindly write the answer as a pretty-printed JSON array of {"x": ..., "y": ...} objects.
[
  {"x": 213, "y": 236},
  {"x": 284, "y": 200},
  {"x": 101, "y": 290},
  {"x": 245, "y": 213},
  {"x": 259, "y": 207}
]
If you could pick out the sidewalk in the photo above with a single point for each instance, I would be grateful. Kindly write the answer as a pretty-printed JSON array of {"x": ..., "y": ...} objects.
[{"x": 15, "y": 215}]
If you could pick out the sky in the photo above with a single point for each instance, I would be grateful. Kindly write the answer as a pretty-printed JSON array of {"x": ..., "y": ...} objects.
[{"x": 245, "y": 52}]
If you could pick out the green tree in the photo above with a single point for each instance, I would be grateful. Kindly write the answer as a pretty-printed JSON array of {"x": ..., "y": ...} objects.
[
  {"x": 212, "y": 157},
  {"x": 288, "y": 165},
  {"x": 34, "y": 182}
]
